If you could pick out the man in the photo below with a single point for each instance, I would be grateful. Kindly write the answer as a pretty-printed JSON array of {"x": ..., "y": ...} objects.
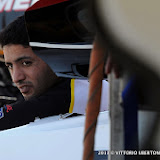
[
  {"x": 31, "y": 75},
  {"x": 45, "y": 94}
]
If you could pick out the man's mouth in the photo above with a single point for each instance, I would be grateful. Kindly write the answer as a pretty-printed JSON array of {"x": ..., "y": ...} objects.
[{"x": 25, "y": 89}]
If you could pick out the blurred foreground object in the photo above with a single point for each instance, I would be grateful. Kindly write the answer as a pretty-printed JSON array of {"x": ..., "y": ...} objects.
[
  {"x": 94, "y": 98},
  {"x": 131, "y": 32},
  {"x": 131, "y": 28}
]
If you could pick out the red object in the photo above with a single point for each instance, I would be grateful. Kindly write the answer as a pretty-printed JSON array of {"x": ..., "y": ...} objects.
[
  {"x": 44, "y": 3},
  {"x": 93, "y": 106},
  {"x": 9, "y": 108}
]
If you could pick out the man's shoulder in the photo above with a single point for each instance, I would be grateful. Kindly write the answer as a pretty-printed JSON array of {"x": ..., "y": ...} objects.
[{"x": 59, "y": 89}]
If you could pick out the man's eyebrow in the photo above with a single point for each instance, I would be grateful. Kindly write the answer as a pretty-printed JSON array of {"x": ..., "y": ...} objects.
[
  {"x": 7, "y": 63},
  {"x": 19, "y": 59},
  {"x": 22, "y": 58}
]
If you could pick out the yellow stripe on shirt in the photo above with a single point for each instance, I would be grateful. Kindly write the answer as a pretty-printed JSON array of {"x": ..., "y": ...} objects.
[{"x": 72, "y": 96}]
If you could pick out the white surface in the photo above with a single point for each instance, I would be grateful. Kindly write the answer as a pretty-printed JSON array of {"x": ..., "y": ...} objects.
[
  {"x": 51, "y": 138},
  {"x": 61, "y": 46},
  {"x": 80, "y": 102}
]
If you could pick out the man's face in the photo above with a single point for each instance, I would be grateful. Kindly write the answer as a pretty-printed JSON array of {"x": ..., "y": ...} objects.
[{"x": 31, "y": 74}]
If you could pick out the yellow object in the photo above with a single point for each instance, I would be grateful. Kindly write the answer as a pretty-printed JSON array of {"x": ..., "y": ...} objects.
[{"x": 72, "y": 96}]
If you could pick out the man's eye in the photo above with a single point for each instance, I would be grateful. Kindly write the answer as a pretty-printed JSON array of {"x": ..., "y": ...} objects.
[
  {"x": 9, "y": 66},
  {"x": 26, "y": 63}
]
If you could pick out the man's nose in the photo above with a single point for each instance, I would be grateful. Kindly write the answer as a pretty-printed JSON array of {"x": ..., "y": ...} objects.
[{"x": 17, "y": 74}]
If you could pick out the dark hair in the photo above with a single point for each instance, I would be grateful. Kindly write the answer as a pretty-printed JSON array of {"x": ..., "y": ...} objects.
[{"x": 15, "y": 33}]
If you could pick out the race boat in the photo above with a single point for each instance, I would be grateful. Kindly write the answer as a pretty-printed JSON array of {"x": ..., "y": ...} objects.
[{"x": 56, "y": 137}]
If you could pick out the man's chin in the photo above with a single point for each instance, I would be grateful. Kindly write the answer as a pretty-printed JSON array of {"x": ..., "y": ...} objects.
[
  {"x": 31, "y": 94},
  {"x": 28, "y": 97}
]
